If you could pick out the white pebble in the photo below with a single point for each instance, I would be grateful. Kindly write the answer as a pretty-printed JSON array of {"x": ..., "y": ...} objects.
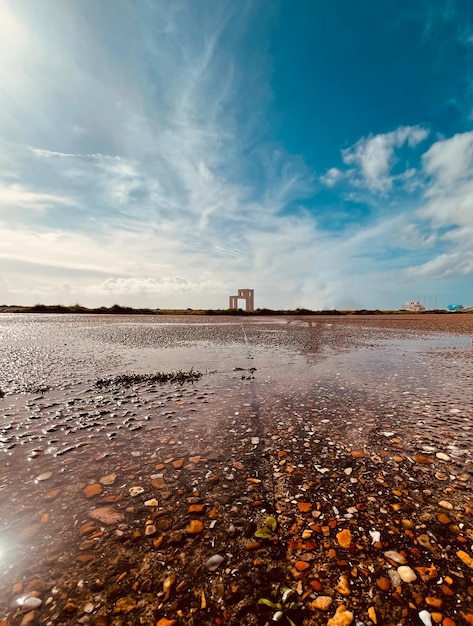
[
  {"x": 406, "y": 573},
  {"x": 29, "y": 603},
  {"x": 425, "y": 618},
  {"x": 375, "y": 536}
]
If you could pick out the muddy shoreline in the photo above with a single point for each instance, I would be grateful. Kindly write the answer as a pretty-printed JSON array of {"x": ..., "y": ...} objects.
[{"x": 139, "y": 504}]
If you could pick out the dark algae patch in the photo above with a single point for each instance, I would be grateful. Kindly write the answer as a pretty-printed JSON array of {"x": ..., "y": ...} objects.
[
  {"x": 129, "y": 378},
  {"x": 321, "y": 476}
]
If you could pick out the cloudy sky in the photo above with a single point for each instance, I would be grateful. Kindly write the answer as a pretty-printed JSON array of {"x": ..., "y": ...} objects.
[{"x": 165, "y": 153}]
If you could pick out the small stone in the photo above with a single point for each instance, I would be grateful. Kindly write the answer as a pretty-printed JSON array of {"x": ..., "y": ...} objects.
[
  {"x": 392, "y": 555},
  {"x": 443, "y": 518},
  {"x": 196, "y": 508},
  {"x": 70, "y": 608},
  {"x": 29, "y": 603},
  {"x": 43, "y": 476},
  {"x": 52, "y": 495},
  {"x": 166, "y": 622},
  {"x": 124, "y": 605},
  {"x": 322, "y": 603},
  {"x": 435, "y": 603},
  {"x": 372, "y": 615},
  {"x": 316, "y": 585},
  {"x": 214, "y": 562},
  {"x": 195, "y": 527},
  {"x": 343, "y": 585},
  {"x": 425, "y": 618},
  {"x": 109, "y": 479},
  {"x": 301, "y": 566},
  {"x": 150, "y": 530},
  {"x": 175, "y": 537},
  {"x": 178, "y": 464},
  {"x": 357, "y": 454},
  {"x": 151, "y": 503},
  {"x": 427, "y": 573},
  {"x": 106, "y": 515},
  {"x": 135, "y": 491},
  {"x": 168, "y": 584},
  {"x": 383, "y": 583},
  {"x": 158, "y": 482},
  {"x": 421, "y": 458},
  {"x": 342, "y": 617},
  {"x": 406, "y": 573},
  {"x": 442, "y": 456},
  {"x": 304, "y": 507},
  {"x": 92, "y": 490},
  {"x": 466, "y": 558},
  {"x": 344, "y": 538},
  {"x": 446, "y": 505}
]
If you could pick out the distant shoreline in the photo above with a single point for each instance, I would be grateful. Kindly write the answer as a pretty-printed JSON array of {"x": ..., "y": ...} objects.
[{"x": 125, "y": 310}]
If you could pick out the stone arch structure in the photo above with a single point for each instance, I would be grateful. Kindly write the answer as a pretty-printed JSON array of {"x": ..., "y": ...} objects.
[{"x": 243, "y": 294}]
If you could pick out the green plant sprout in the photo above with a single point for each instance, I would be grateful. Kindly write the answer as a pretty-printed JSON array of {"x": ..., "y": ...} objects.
[
  {"x": 267, "y": 531},
  {"x": 281, "y": 604}
]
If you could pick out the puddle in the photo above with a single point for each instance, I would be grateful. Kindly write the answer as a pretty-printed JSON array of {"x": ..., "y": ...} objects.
[{"x": 316, "y": 391}]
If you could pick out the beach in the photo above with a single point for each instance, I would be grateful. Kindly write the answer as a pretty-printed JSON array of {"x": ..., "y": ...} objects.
[{"x": 317, "y": 470}]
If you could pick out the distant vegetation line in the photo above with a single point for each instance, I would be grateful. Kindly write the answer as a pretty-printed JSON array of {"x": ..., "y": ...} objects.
[{"x": 117, "y": 309}]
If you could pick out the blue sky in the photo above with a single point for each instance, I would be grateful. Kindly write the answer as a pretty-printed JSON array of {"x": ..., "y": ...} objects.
[{"x": 166, "y": 153}]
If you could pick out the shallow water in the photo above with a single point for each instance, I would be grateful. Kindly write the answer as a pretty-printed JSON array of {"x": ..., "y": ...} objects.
[{"x": 264, "y": 381}]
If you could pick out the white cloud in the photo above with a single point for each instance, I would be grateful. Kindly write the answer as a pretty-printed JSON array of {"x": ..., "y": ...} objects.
[
  {"x": 374, "y": 156},
  {"x": 166, "y": 286},
  {"x": 449, "y": 162},
  {"x": 446, "y": 265},
  {"x": 448, "y": 206},
  {"x": 16, "y": 196},
  {"x": 331, "y": 177}
]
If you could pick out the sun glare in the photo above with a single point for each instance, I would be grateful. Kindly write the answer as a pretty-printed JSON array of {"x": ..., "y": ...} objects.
[{"x": 13, "y": 35}]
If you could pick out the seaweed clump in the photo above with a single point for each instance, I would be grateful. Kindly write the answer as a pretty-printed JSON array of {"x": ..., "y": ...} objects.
[{"x": 129, "y": 378}]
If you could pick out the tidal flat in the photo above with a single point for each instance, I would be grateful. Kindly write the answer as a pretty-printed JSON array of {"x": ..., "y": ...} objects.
[{"x": 302, "y": 470}]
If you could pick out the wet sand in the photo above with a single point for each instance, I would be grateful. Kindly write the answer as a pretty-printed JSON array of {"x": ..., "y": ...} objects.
[{"x": 331, "y": 456}]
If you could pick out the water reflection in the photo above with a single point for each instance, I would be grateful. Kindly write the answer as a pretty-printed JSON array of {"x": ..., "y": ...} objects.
[{"x": 76, "y": 448}]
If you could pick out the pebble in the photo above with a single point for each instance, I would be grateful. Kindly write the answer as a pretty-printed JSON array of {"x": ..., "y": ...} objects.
[
  {"x": 135, "y": 491},
  {"x": 92, "y": 490},
  {"x": 343, "y": 586},
  {"x": 106, "y": 515},
  {"x": 214, "y": 562},
  {"x": 406, "y": 573},
  {"x": 322, "y": 603},
  {"x": 344, "y": 538},
  {"x": 29, "y": 603},
  {"x": 392, "y": 555},
  {"x": 466, "y": 558},
  {"x": 425, "y": 618},
  {"x": 195, "y": 527},
  {"x": 446, "y": 505},
  {"x": 109, "y": 479},
  {"x": 151, "y": 503},
  {"x": 342, "y": 617},
  {"x": 44, "y": 476}
]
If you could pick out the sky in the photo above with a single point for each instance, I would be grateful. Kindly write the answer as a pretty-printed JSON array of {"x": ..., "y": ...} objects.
[{"x": 165, "y": 153}]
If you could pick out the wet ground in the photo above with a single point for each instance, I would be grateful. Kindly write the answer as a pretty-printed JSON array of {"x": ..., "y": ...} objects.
[{"x": 328, "y": 456}]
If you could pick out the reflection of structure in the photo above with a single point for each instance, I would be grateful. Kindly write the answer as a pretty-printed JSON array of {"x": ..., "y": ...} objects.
[
  {"x": 413, "y": 306},
  {"x": 244, "y": 294}
]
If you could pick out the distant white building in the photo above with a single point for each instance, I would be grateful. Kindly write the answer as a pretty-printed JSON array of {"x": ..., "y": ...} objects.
[{"x": 413, "y": 306}]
